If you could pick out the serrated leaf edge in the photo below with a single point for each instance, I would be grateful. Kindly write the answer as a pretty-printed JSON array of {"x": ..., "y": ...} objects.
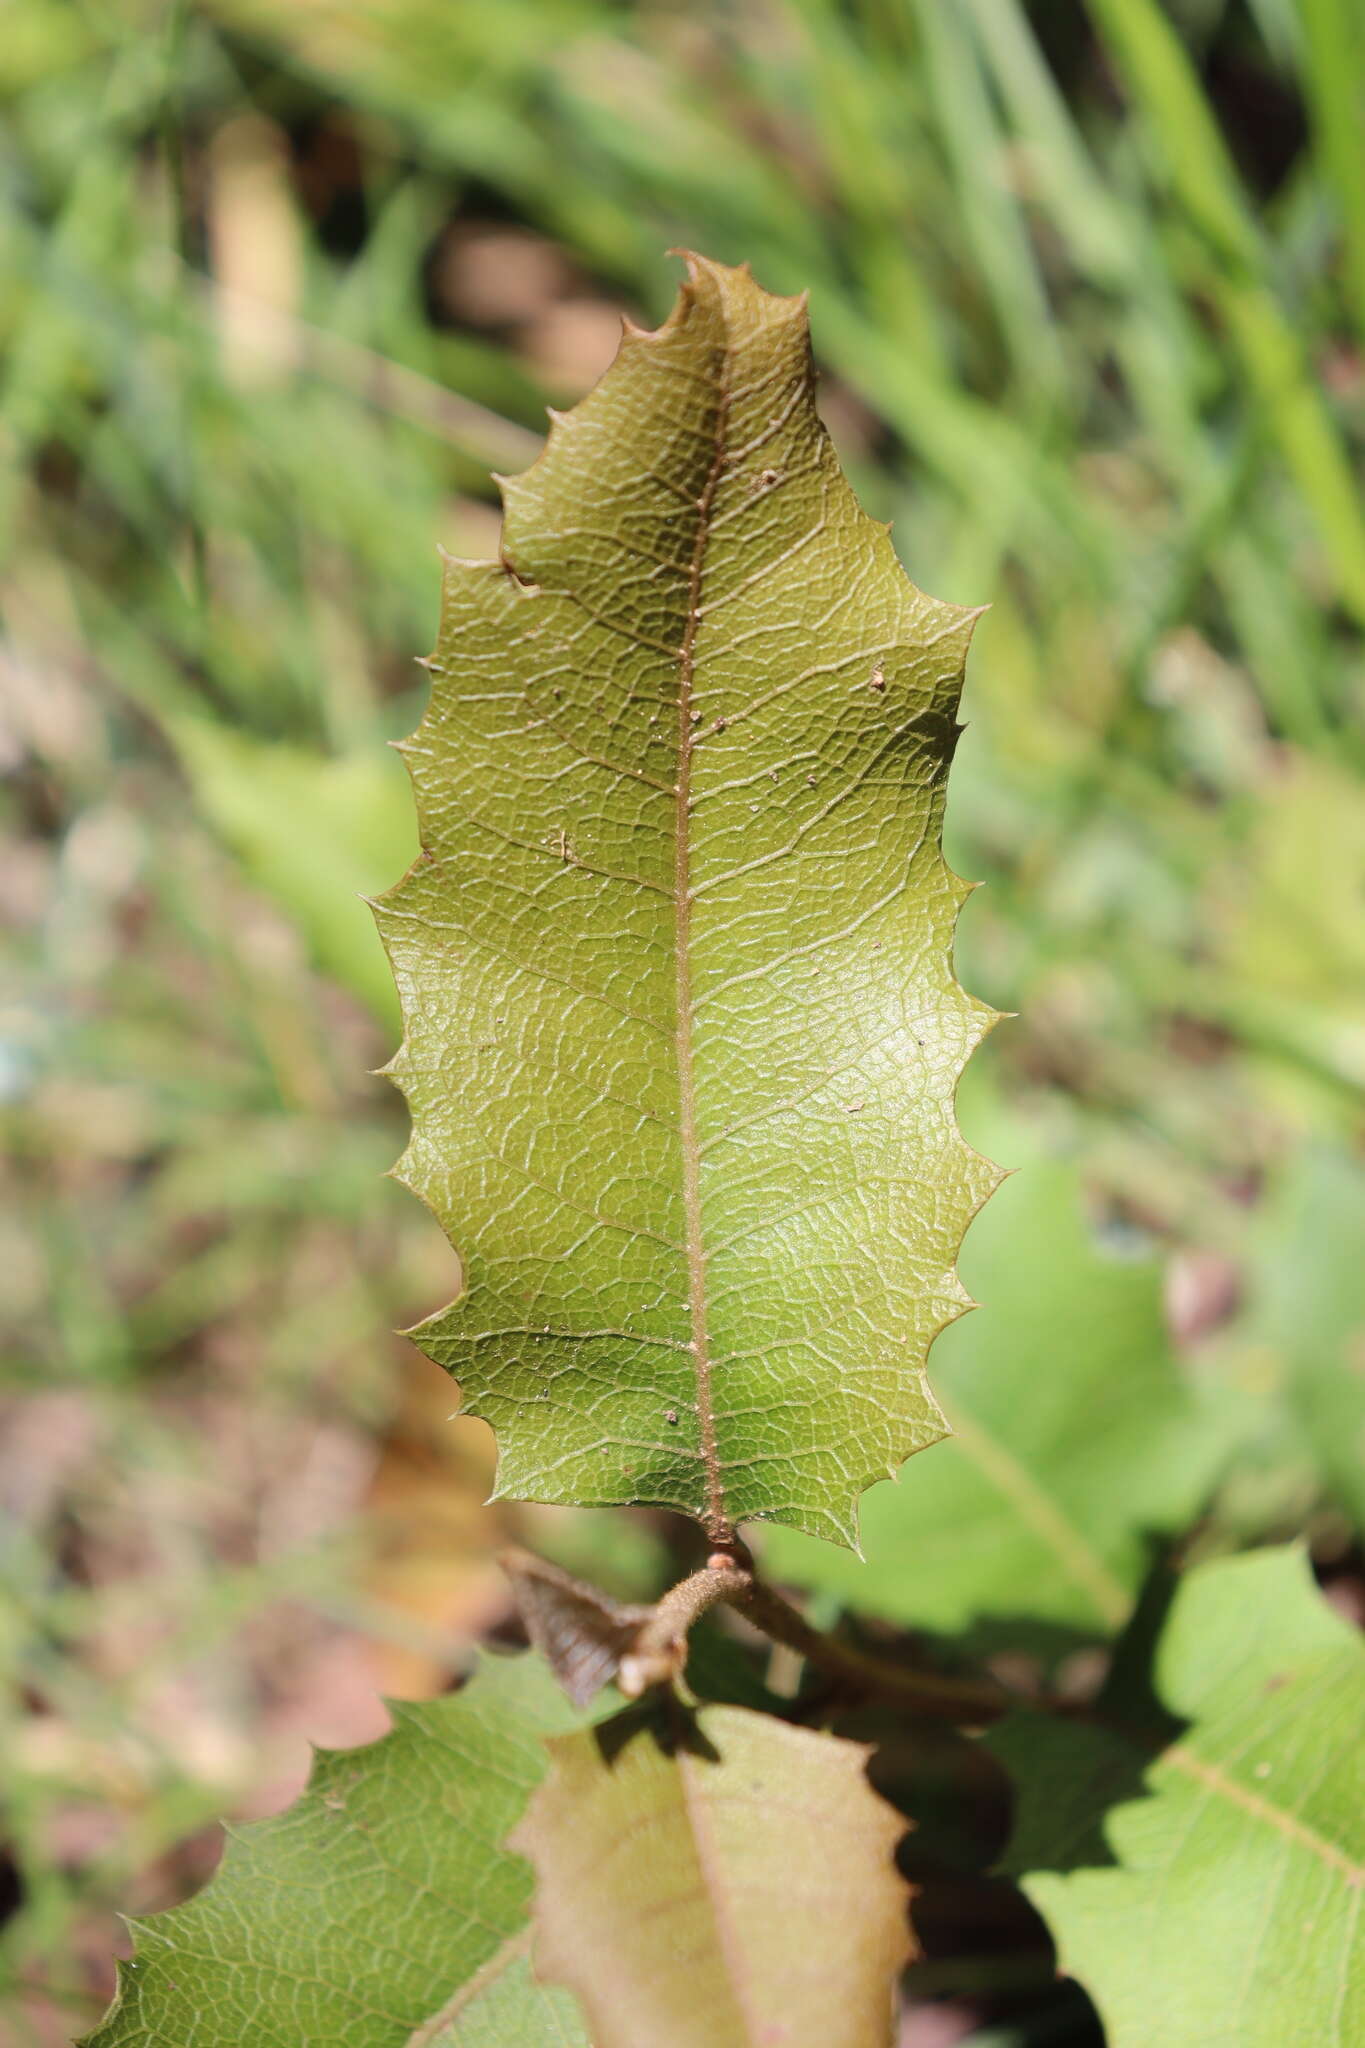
[
  {"x": 323, "y": 1760},
  {"x": 979, "y": 1017}
]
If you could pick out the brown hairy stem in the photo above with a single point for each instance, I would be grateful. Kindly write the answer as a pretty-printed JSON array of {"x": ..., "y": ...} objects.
[
  {"x": 660, "y": 1650},
  {"x": 590, "y": 1639}
]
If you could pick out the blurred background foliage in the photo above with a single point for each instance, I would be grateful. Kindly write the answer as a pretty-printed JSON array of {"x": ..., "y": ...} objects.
[{"x": 282, "y": 285}]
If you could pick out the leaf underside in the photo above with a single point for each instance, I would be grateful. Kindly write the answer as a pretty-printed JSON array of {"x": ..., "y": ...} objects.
[
  {"x": 1075, "y": 1436},
  {"x": 730, "y": 1887},
  {"x": 681, "y": 1029},
  {"x": 382, "y": 1909},
  {"x": 1238, "y": 1861}
]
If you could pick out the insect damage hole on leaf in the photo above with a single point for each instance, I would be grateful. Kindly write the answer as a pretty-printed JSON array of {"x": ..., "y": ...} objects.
[{"x": 659, "y": 1152}]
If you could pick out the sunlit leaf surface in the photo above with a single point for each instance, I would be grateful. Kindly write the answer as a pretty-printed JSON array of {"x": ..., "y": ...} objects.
[
  {"x": 1076, "y": 1436},
  {"x": 382, "y": 1910},
  {"x": 681, "y": 1027}
]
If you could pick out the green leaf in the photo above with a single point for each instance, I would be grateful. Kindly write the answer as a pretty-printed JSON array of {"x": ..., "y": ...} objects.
[
  {"x": 1230, "y": 1910},
  {"x": 382, "y": 1910},
  {"x": 1073, "y": 1438},
  {"x": 1297, "y": 1352},
  {"x": 1311, "y": 1307},
  {"x": 315, "y": 834},
  {"x": 1288, "y": 942},
  {"x": 722, "y": 1883},
  {"x": 681, "y": 1027}
]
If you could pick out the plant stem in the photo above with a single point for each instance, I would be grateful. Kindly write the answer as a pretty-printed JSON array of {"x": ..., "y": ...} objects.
[
  {"x": 924, "y": 1692},
  {"x": 589, "y": 1638},
  {"x": 659, "y": 1650}
]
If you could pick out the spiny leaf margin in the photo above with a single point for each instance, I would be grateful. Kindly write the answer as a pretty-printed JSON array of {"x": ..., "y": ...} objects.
[
  {"x": 718, "y": 1881},
  {"x": 295, "y": 1937},
  {"x": 1075, "y": 1435},
  {"x": 636, "y": 1324}
]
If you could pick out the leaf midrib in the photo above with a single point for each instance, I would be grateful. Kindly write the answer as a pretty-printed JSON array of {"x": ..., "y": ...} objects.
[
  {"x": 1077, "y": 1556},
  {"x": 1181, "y": 1757},
  {"x": 717, "y": 1522},
  {"x": 502, "y": 1958},
  {"x": 710, "y": 1871}
]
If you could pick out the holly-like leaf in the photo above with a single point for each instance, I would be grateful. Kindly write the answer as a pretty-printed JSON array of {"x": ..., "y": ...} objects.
[
  {"x": 1219, "y": 1904},
  {"x": 681, "y": 1027},
  {"x": 382, "y": 1910},
  {"x": 1074, "y": 1437},
  {"x": 721, "y": 1883}
]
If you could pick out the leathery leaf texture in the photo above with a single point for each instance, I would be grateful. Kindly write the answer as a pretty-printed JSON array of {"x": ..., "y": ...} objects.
[
  {"x": 1075, "y": 1436},
  {"x": 725, "y": 1884},
  {"x": 382, "y": 1909},
  {"x": 681, "y": 1028}
]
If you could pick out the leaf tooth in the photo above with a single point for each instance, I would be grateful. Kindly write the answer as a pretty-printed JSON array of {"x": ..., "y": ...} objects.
[
  {"x": 228, "y": 1963},
  {"x": 727, "y": 314}
]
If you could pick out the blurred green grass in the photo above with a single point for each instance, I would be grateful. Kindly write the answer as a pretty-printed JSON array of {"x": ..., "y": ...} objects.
[{"x": 282, "y": 286}]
